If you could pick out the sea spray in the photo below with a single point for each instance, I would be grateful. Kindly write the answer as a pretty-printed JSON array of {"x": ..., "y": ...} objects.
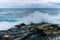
[
  {"x": 10, "y": 18},
  {"x": 35, "y": 17},
  {"x": 38, "y": 17}
]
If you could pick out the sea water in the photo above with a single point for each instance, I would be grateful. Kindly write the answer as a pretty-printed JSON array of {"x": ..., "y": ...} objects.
[{"x": 9, "y": 17}]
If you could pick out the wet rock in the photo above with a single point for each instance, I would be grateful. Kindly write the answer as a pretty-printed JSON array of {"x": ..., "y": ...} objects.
[
  {"x": 29, "y": 32},
  {"x": 6, "y": 36},
  {"x": 19, "y": 26}
]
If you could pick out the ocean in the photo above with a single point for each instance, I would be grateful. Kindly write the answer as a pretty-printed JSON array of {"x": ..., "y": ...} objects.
[{"x": 9, "y": 17}]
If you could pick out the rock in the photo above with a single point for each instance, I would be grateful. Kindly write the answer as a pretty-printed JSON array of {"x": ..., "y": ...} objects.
[
  {"x": 22, "y": 24},
  {"x": 29, "y": 32},
  {"x": 6, "y": 36}
]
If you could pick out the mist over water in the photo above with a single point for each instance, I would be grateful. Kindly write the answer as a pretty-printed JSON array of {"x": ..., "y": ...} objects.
[
  {"x": 38, "y": 17},
  {"x": 11, "y": 17}
]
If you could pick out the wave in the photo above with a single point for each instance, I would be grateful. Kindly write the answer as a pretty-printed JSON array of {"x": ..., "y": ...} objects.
[
  {"x": 38, "y": 17},
  {"x": 34, "y": 17}
]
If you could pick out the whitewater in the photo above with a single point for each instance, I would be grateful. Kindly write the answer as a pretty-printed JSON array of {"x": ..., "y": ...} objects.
[{"x": 9, "y": 18}]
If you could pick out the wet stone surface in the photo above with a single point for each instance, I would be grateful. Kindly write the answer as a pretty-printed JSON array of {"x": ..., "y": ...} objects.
[{"x": 23, "y": 32}]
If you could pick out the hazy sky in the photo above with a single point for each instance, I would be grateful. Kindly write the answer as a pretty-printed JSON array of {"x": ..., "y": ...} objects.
[{"x": 29, "y": 3}]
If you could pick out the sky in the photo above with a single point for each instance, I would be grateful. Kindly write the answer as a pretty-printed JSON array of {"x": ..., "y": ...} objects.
[{"x": 29, "y": 3}]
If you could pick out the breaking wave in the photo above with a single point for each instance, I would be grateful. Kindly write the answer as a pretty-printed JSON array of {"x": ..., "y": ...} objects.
[
  {"x": 9, "y": 20},
  {"x": 38, "y": 17}
]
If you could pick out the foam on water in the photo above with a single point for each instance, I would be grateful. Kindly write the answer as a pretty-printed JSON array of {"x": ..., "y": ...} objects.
[
  {"x": 38, "y": 17},
  {"x": 35, "y": 17},
  {"x": 7, "y": 25}
]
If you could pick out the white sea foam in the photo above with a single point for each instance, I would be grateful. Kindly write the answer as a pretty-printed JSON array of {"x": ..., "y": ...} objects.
[
  {"x": 38, "y": 17},
  {"x": 35, "y": 17},
  {"x": 6, "y": 25}
]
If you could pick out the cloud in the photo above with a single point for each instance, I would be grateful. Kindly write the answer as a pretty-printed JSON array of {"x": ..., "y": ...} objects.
[{"x": 12, "y": 3}]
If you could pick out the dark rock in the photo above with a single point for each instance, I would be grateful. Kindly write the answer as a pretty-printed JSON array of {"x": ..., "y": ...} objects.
[
  {"x": 23, "y": 32},
  {"x": 22, "y": 24}
]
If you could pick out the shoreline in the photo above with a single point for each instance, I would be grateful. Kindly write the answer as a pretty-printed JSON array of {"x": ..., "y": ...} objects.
[{"x": 23, "y": 31}]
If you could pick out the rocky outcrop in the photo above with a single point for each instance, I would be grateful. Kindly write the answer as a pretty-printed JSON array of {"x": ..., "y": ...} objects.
[{"x": 29, "y": 32}]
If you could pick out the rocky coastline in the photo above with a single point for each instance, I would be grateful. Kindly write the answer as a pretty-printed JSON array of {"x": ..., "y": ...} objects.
[{"x": 40, "y": 31}]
